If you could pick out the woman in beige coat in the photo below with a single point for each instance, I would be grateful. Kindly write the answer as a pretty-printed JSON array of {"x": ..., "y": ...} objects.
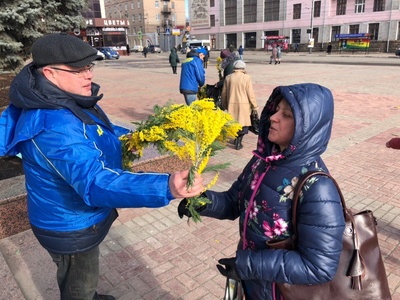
[{"x": 238, "y": 98}]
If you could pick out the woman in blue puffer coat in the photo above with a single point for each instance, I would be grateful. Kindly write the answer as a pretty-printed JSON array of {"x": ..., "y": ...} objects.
[{"x": 295, "y": 128}]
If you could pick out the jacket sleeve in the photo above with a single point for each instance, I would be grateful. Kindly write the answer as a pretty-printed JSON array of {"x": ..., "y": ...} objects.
[
  {"x": 224, "y": 205},
  {"x": 200, "y": 74},
  {"x": 251, "y": 96},
  {"x": 73, "y": 161},
  {"x": 320, "y": 229}
]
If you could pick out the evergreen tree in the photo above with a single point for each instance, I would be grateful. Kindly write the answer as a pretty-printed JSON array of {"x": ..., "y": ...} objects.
[{"x": 24, "y": 21}]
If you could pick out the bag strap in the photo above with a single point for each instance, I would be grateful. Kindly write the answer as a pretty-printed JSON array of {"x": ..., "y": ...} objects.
[{"x": 297, "y": 190}]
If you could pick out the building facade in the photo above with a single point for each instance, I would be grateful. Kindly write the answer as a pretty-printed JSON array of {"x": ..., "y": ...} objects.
[
  {"x": 102, "y": 31},
  {"x": 153, "y": 22},
  {"x": 307, "y": 23}
]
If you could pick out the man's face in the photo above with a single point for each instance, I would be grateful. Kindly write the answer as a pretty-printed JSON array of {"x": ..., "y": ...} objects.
[
  {"x": 201, "y": 56},
  {"x": 72, "y": 80}
]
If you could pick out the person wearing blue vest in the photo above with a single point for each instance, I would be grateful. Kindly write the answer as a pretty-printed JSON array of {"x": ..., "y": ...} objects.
[
  {"x": 192, "y": 74},
  {"x": 72, "y": 159}
]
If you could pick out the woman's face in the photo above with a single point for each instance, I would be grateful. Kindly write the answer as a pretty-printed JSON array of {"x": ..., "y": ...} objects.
[{"x": 282, "y": 125}]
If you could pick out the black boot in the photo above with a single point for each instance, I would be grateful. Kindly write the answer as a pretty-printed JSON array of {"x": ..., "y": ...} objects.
[{"x": 238, "y": 142}]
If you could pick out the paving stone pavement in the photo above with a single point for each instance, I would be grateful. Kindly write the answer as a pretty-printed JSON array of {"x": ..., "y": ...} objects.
[{"x": 152, "y": 254}]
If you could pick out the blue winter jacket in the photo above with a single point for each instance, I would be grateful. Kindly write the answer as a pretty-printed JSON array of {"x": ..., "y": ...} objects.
[
  {"x": 262, "y": 195},
  {"x": 72, "y": 162},
  {"x": 192, "y": 74}
]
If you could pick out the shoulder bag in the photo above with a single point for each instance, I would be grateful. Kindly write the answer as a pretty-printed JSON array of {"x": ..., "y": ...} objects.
[
  {"x": 255, "y": 122},
  {"x": 361, "y": 273}
]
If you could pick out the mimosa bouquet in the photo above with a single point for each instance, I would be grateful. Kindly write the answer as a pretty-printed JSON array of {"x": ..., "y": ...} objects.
[{"x": 192, "y": 132}]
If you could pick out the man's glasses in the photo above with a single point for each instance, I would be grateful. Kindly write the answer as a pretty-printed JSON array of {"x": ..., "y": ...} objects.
[{"x": 80, "y": 73}]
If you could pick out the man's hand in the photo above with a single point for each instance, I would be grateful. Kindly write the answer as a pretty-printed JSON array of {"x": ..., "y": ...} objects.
[
  {"x": 178, "y": 182},
  {"x": 230, "y": 269}
]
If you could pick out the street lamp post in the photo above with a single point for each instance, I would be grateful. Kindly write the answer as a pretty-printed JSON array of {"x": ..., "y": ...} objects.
[{"x": 311, "y": 36}]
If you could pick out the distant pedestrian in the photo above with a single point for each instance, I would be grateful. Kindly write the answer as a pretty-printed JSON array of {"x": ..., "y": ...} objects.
[
  {"x": 206, "y": 57},
  {"x": 145, "y": 50},
  {"x": 278, "y": 54},
  {"x": 128, "y": 50},
  {"x": 241, "y": 50},
  {"x": 274, "y": 55},
  {"x": 173, "y": 60},
  {"x": 238, "y": 99},
  {"x": 296, "y": 47},
  {"x": 192, "y": 75},
  {"x": 329, "y": 49}
]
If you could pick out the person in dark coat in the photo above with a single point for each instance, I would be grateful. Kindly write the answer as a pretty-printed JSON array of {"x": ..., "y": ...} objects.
[
  {"x": 329, "y": 48},
  {"x": 295, "y": 128},
  {"x": 173, "y": 60},
  {"x": 145, "y": 50}
]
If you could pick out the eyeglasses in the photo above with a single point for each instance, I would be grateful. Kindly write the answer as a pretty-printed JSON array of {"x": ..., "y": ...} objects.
[{"x": 80, "y": 73}]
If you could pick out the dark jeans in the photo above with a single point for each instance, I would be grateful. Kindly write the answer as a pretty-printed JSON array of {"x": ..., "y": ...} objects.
[{"x": 77, "y": 274}]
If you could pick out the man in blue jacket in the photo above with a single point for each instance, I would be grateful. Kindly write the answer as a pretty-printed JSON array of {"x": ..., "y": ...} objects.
[
  {"x": 192, "y": 74},
  {"x": 72, "y": 161}
]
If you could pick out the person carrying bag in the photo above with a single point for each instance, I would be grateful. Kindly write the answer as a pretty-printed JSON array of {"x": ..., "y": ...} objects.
[{"x": 295, "y": 128}]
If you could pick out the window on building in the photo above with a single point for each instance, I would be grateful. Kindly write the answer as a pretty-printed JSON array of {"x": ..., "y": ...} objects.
[
  {"x": 158, "y": 17},
  {"x": 139, "y": 4},
  {"x": 212, "y": 20},
  {"x": 341, "y": 7},
  {"x": 271, "y": 10},
  {"x": 335, "y": 31},
  {"x": 172, "y": 5},
  {"x": 134, "y": 30},
  {"x": 250, "y": 11},
  {"x": 359, "y": 7},
  {"x": 296, "y": 11},
  {"x": 296, "y": 35},
  {"x": 315, "y": 34},
  {"x": 230, "y": 12},
  {"x": 317, "y": 9},
  {"x": 212, "y": 3},
  {"x": 379, "y": 5},
  {"x": 139, "y": 17},
  {"x": 373, "y": 30},
  {"x": 126, "y": 6},
  {"x": 133, "y": 5},
  {"x": 133, "y": 18},
  {"x": 157, "y": 4},
  {"x": 354, "y": 29}
]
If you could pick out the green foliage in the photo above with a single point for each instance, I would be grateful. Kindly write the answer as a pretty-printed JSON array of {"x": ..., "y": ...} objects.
[{"x": 24, "y": 21}]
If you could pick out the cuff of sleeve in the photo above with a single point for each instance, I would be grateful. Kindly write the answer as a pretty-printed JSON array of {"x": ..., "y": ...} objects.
[{"x": 169, "y": 194}]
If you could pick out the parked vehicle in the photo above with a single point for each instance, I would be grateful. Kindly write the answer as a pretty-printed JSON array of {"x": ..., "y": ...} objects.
[
  {"x": 154, "y": 48},
  {"x": 183, "y": 50},
  {"x": 100, "y": 55},
  {"x": 137, "y": 48},
  {"x": 109, "y": 52},
  {"x": 397, "y": 52}
]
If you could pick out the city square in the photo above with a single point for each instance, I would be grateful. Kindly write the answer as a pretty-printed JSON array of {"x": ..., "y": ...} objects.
[{"x": 152, "y": 253}]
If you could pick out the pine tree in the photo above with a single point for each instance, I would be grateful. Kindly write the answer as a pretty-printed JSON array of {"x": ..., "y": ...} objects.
[{"x": 23, "y": 21}]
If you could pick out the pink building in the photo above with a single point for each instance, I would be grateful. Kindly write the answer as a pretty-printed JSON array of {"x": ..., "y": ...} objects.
[{"x": 249, "y": 22}]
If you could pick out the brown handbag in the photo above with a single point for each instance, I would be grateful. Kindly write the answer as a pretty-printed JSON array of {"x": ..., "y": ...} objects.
[{"x": 361, "y": 273}]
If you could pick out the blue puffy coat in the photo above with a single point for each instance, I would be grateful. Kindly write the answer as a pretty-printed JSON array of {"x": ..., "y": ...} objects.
[
  {"x": 72, "y": 161},
  {"x": 261, "y": 199},
  {"x": 192, "y": 74}
]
